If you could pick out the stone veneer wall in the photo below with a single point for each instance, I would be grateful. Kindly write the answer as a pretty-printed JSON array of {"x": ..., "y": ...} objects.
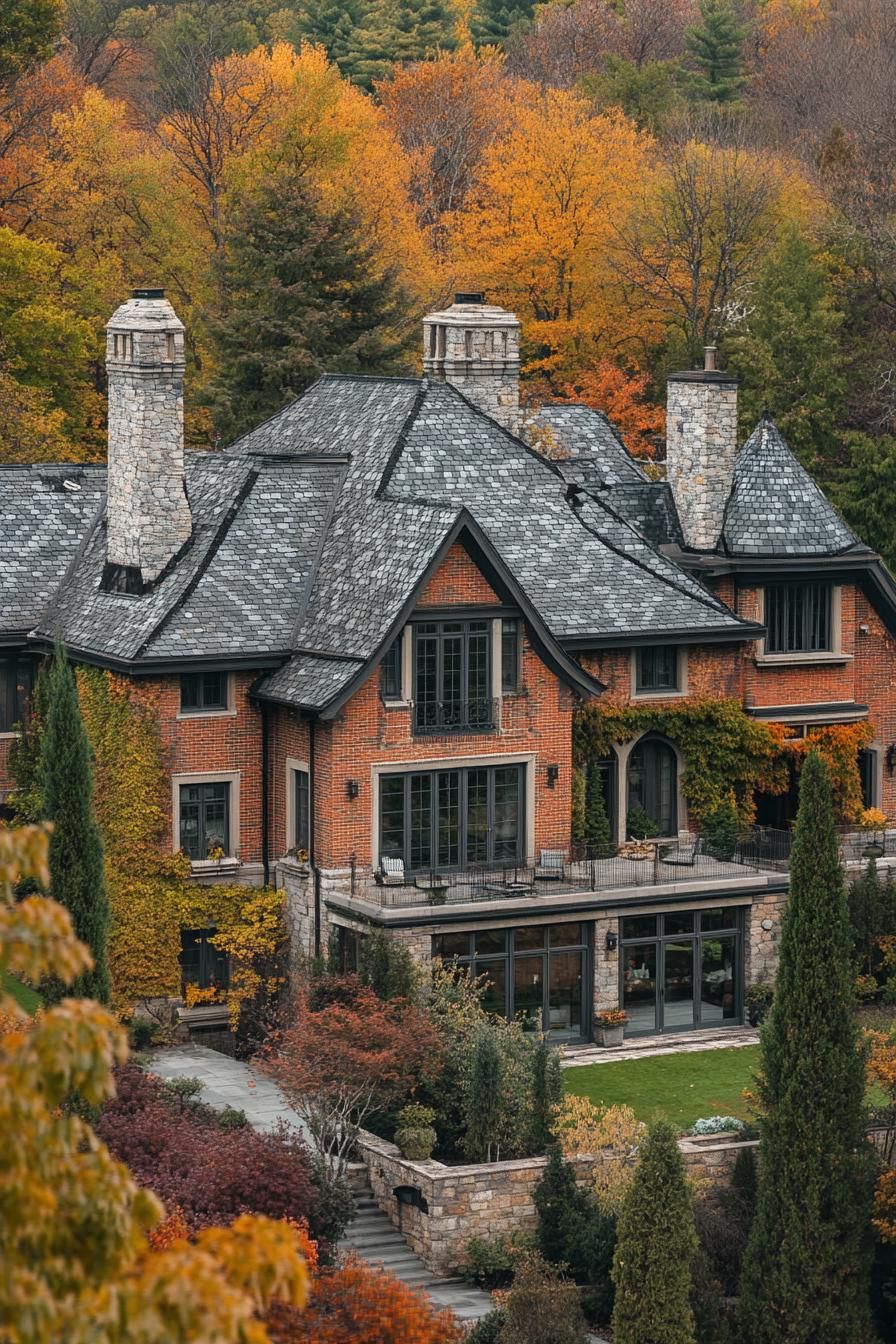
[
  {"x": 491, "y": 1199},
  {"x": 701, "y": 445},
  {"x": 762, "y": 937}
]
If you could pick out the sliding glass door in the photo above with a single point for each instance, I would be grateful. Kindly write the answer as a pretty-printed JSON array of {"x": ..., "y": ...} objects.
[
  {"x": 453, "y": 818},
  {"x": 682, "y": 970}
]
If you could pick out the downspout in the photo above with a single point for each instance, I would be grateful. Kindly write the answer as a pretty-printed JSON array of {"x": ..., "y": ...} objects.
[
  {"x": 265, "y": 799},
  {"x": 312, "y": 834}
]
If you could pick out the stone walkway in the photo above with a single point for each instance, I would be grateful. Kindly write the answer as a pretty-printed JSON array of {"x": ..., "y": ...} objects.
[
  {"x": 228, "y": 1082},
  {"x": 685, "y": 1043}
]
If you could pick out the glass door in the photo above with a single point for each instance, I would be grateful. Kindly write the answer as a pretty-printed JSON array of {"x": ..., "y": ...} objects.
[
  {"x": 639, "y": 996},
  {"x": 718, "y": 980},
  {"x": 678, "y": 985}
]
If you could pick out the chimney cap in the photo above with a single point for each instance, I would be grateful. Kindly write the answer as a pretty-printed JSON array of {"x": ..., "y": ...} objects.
[
  {"x": 469, "y": 298},
  {"x": 147, "y": 293}
]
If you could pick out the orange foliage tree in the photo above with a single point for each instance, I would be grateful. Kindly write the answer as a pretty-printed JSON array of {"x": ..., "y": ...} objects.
[
  {"x": 354, "y": 1303},
  {"x": 620, "y": 395}
]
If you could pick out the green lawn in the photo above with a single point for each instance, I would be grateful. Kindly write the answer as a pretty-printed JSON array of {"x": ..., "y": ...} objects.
[
  {"x": 680, "y": 1088},
  {"x": 26, "y": 998}
]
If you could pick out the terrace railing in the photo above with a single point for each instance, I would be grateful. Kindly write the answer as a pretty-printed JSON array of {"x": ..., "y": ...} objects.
[{"x": 431, "y": 718}]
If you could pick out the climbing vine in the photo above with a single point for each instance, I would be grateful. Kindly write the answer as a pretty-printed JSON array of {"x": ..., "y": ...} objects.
[
  {"x": 150, "y": 891},
  {"x": 727, "y": 754}
]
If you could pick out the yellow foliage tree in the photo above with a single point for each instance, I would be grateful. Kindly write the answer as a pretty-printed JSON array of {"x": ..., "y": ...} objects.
[
  {"x": 538, "y": 224},
  {"x": 612, "y": 1133},
  {"x": 76, "y": 1264}
]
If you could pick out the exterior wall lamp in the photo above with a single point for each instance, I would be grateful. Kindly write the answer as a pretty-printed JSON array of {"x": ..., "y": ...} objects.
[
  {"x": 352, "y": 788},
  {"x": 554, "y": 775},
  {"x": 612, "y": 941}
]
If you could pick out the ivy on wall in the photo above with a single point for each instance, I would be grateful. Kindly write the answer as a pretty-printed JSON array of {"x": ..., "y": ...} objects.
[
  {"x": 150, "y": 893},
  {"x": 727, "y": 754}
]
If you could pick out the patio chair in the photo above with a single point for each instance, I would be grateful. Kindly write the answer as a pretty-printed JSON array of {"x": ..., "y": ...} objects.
[
  {"x": 684, "y": 853},
  {"x": 551, "y": 865},
  {"x": 391, "y": 871}
]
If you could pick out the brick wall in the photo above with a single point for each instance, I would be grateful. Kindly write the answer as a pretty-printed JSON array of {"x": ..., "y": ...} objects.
[
  {"x": 5, "y": 778},
  {"x": 457, "y": 582}
]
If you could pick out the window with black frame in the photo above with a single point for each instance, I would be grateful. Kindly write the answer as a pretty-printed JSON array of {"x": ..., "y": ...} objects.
[
  {"x": 510, "y": 656},
  {"x": 390, "y": 672},
  {"x": 453, "y": 818},
  {"x": 798, "y": 618},
  {"x": 16, "y": 685},
  {"x": 656, "y": 669},
  {"x": 201, "y": 963},
  {"x": 302, "y": 814},
  {"x": 203, "y": 692},
  {"x": 205, "y": 820},
  {"x": 452, "y": 677}
]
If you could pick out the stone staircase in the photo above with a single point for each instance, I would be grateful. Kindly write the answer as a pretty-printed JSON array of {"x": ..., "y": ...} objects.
[{"x": 372, "y": 1236}]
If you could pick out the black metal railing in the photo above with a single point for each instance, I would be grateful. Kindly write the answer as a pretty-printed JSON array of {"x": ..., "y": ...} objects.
[{"x": 431, "y": 717}]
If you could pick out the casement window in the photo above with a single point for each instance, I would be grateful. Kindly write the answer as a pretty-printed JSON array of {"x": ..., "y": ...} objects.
[
  {"x": 453, "y": 818},
  {"x": 390, "y": 672},
  {"x": 201, "y": 963},
  {"x": 798, "y": 617},
  {"x": 510, "y": 656},
  {"x": 867, "y": 763},
  {"x": 452, "y": 677},
  {"x": 16, "y": 685},
  {"x": 302, "y": 813},
  {"x": 205, "y": 820},
  {"x": 203, "y": 692},
  {"x": 657, "y": 669}
]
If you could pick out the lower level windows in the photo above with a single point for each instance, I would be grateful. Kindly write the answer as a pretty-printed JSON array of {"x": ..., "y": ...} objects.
[
  {"x": 681, "y": 970},
  {"x": 453, "y": 818},
  {"x": 205, "y": 820},
  {"x": 201, "y": 963}
]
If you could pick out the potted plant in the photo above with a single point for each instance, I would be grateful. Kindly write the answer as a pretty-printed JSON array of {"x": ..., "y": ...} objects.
[
  {"x": 874, "y": 824},
  {"x": 611, "y": 1027},
  {"x": 414, "y": 1134}
]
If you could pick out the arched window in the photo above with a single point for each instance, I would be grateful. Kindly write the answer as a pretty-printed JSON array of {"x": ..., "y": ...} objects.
[{"x": 652, "y": 786}]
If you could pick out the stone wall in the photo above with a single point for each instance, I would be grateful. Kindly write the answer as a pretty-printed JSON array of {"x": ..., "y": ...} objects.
[
  {"x": 439, "y": 1208},
  {"x": 762, "y": 936},
  {"x": 701, "y": 445}
]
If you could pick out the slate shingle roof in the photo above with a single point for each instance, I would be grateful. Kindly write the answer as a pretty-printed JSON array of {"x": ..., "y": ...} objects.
[
  {"x": 592, "y": 442},
  {"x": 775, "y": 508}
]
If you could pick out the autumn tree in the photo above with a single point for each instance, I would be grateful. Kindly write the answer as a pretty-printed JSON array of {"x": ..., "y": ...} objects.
[
  {"x": 76, "y": 850},
  {"x": 567, "y": 42},
  {"x": 622, "y": 397},
  {"x": 79, "y": 1267},
  {"x": 806, "y": 1268},
  {"x": 339, "y": 1061},
  {"x": 28, "y": 29},
  {"x": 299, "y": 295}
]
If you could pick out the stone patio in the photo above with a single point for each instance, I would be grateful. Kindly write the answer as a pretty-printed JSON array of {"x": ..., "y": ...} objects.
[{"x": 681, "y": 1043}]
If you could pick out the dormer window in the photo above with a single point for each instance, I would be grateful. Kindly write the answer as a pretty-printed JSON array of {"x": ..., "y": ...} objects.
[{"x": 798, "y": 618}]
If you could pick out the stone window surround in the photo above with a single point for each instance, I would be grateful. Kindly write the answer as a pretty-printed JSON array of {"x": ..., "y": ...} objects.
[
  {"x": 228, "y": 713},
  {"x": 425, "y": 764},
  {"x": 622, "y": 751},
  {"x": 407, "y": 667},
  {"x": 292, "y": 765},
  {"x": 231, "y": 777},
  {"x": 834, "y": 655},
  {"x": 677, "y": 694}
]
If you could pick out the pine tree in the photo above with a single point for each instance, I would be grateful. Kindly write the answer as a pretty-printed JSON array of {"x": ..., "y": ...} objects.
[
  {"x": 597, "y": 828},
  {"x": 547, "y": 1091},
  {"x": 493, "y": 21},
  {"x": 395, "y": 32},
  {"x": 484, "y": 1097},
  {"x": 300, "y": 294},
  {"x": 789, "y": 355},
  {"x": 806, "y": 1269},
  {"x": 25, "y": 756},
  {"x": 715, "y": 45},
  {"x": 76, "y": 850},
  {"x": 655, "y": 1249},
  {"x": 329, "y": 24}
]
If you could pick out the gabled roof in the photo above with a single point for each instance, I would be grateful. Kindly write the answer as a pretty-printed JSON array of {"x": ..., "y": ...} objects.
[
  {"x": 775, "y": 508},
  {"x": 591, "y": 442}
]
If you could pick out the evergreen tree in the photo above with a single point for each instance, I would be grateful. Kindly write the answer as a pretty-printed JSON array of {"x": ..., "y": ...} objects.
[
  {"x": 25, "y": 756},
  {"x": 790, "y": 356},
  {"x": 547, "y": 1091},
  {"x": 655, "y": 1248},
  {"x": 806, "y": 1269},
  {"x": 493, "y": 21},
  {"x": 300, "y": 294},
  {"x": 597, "y": 828},
  {"x": 395, "y": 32},
  {"x": 865, "y": 491},
  {"x": 484, "y": 1097},
  {"x": 329, "y": 24},
  {"x": 574, "y": 1231},
  {"x": 388, "y": 967},
  {"x": 76, "y": 850},
  {"x": 716, "y": 46}
]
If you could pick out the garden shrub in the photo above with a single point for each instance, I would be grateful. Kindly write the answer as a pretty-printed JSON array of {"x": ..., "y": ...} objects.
[
  {"x": 387, "y": 966},
  {"x": 615, "y": 1132},
  {"x": 414, "y": 1133},
  {"x": 574, "y": 1231},
  {"x": 483, "y": 1096},
  {"x": 489, "y": 1261},
  {"x": 872, "y": 916},
  {"x": 720, "y": 828},
  {"x": 547, "y": 1093},
  {"x": 758, "y": 999},
  {"x": 716, "y": 1124},
  {"x": 488, "y": 1328},
  {"x": 211, "y": 1175},
  {"x": 542, "y": 1307}
]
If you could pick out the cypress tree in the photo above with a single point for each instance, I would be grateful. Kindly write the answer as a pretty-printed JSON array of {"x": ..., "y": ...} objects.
[
  {"x": 484, "y": 1099},
  {"x": 715, "y": 44},
  {"x": 547, "y": 1090},
  {"x": 597, "y": 828},
  {"x": 300, "y": 293},
  {"x": 76, "y": 850},
  {"x": 806, "y": 1269},
  {"x": 655, "y": 1249}
]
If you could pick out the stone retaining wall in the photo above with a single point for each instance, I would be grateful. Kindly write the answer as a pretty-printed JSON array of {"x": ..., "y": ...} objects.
[{"x": 439, "y": 1208}]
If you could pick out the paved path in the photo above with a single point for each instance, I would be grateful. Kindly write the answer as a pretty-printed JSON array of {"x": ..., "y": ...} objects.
[
  {"x": 685, "y": 1043},
  {"x": 228, "y": 1082}
]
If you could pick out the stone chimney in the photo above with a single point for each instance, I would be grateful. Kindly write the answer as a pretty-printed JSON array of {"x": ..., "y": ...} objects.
[
  {"x": 147, "y": 512},
  {"x": 475, "y": 346},
  {"x": 701, "y": 445}
]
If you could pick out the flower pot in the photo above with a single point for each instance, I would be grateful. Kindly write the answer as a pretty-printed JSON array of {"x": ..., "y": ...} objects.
[
  {"x": 438, "y": 895},
  {"x": 611, "y": 1037}
]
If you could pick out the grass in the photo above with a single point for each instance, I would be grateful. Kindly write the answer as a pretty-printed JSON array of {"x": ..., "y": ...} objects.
[
  {"x": 679, "y": 1088},
  {"x": 26, "y": 998}
]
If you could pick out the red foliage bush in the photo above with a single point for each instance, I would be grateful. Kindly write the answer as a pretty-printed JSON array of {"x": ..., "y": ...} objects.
[{"x": 211, "y": 1175}]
